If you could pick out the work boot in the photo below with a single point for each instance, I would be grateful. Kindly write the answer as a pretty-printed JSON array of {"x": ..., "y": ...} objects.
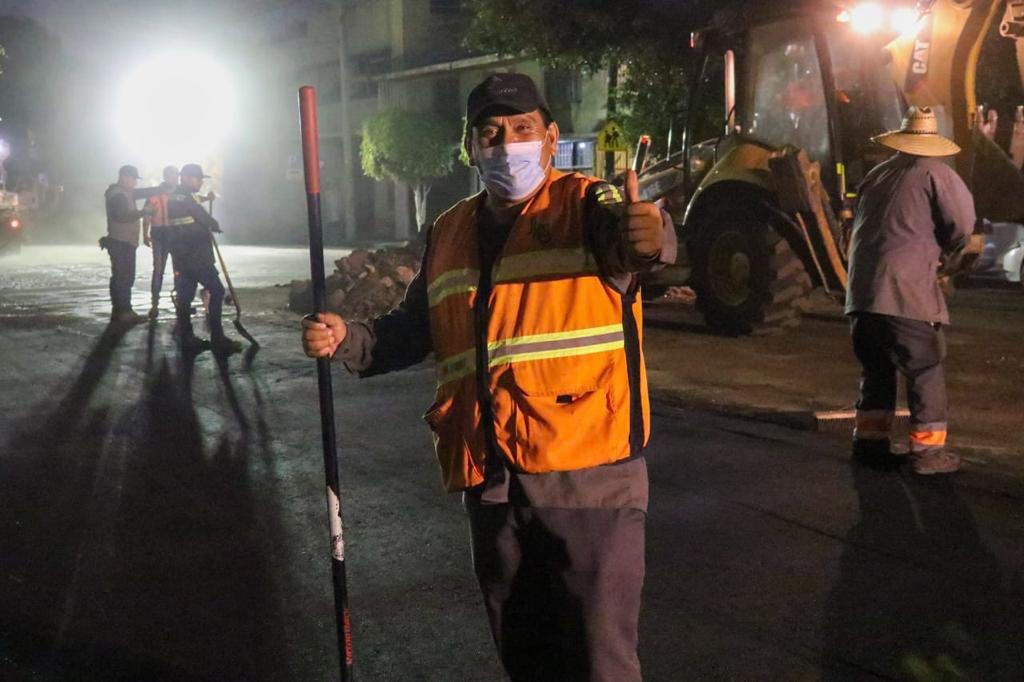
[
  {"x": 935, "y": 462},
  {"x": 154, "y": 312},
  {"x": 222, "y": 345},
  {"x": 127, "y": 317},
  {"x": 190, "y": 343},
  {"x": 875, "y": 454}
]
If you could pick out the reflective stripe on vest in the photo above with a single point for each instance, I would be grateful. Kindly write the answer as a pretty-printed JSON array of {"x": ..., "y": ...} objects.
[
  {"x": 545, "y": 263},
  {"x": 187, "y": 220},
  {"x": 530, "y": 265},
  {"x": 565, "y": 379},
  {"x": 452, "y": 282},
  {"x": 534, "y": 347}
]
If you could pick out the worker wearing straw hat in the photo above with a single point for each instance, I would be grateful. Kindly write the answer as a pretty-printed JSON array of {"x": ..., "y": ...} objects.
[{"x": 913, "y": 213}]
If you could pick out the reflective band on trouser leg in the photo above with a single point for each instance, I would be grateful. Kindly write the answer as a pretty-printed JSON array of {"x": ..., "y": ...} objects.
[
  {"x": 927, "y": 436},
  {"x": 873, "y": 424}
]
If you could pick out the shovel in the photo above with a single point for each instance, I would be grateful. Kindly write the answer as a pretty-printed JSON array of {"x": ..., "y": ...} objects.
[{"x": 231, "y": 289}]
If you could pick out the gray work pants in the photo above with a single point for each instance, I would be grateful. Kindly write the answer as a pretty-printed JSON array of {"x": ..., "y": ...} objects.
[
  {"x": 886, "y": 345},
  {"x": 562, "y": 589}
]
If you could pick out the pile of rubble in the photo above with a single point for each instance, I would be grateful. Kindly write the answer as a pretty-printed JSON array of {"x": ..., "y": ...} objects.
[{"x": 364, "y": 284}]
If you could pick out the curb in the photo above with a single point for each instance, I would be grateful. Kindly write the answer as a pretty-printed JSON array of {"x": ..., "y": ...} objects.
[{"x": 981, "y": 474}]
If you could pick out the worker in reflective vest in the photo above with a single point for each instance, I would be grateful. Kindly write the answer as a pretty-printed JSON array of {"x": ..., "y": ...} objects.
[
  {"x": 154, "y": 234},
  {"x": 191, "y": 244},
  {"x": 527, "y": 297}
]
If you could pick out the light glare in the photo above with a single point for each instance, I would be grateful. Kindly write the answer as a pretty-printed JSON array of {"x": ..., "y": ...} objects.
[
  {"x": 867, "y": 18},
  {"x": 904, "y": 20},
  {"x": 175, "y": 108}
]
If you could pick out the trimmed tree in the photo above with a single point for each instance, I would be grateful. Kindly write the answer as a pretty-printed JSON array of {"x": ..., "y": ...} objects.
[{"x": 413, "y": 147}]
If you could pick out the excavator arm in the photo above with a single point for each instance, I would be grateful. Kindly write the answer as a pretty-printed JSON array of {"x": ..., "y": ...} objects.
[{"x": 936, "y": 66}]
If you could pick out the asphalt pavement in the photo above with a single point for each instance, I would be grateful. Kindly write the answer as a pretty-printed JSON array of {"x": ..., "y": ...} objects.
[{"x": 164, "y": 518}]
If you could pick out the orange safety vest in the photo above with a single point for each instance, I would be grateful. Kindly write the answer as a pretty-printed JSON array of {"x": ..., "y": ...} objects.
[{"x": 565, "y": 371}]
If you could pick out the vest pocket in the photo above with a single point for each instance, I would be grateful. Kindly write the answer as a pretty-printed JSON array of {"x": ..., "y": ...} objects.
[
  {"x": 561, "y": 431},
  {"x": 450, "y": 425}
]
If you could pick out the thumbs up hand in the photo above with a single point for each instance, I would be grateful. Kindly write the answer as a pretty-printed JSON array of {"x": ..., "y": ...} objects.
[{"x": 642, "y": 226}]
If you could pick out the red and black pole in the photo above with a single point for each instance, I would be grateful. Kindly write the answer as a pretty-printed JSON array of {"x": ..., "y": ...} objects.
[{"x": 311, "y": 162}]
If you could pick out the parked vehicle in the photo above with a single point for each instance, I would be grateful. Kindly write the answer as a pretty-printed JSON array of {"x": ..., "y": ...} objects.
[
  {"x": 12, "y": 227},
  {"x": 1003, "y": 256}
]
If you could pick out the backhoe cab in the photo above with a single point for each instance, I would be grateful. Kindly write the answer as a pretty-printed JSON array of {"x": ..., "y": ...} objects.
[{"x": 778, "y": 138}]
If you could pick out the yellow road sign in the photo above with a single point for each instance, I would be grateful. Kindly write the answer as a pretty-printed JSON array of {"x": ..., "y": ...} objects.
[{"x": 612, "y": 138}]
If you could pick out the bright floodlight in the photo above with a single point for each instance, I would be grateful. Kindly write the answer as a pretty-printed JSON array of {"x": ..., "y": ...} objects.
[
  {"x": 904, "y": 20},
  {"x": 175, "y": 108},
  {"x": 867, "y": 18}
]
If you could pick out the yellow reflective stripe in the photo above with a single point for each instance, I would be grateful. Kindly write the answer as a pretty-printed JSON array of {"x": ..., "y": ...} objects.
[
  {"x": 562, "y": 353},
  {"x": 554, "y": 336},
  {"x": 450, "y": 283},
  {"x": 456, "y": 367},
  {"x": 541, "y": 263},
  {"x": 534, "y": 347},
  {"x": 188, "y": 220},
  {"x": 609, "y": 195}
]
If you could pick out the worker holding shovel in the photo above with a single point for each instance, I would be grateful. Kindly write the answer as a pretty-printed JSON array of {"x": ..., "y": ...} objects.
[{"x": 190, "y": 228}]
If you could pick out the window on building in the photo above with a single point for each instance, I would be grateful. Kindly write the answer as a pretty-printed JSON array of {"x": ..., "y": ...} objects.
[
  {"x": 368, "y": 63},
  {"x": 363, "y": 89},
  {"x": 575, "y": 154},
  {"x": 446, "y": 97},
  {"x": 445, "y": 6},
  {"x": 328, "y": 80}
]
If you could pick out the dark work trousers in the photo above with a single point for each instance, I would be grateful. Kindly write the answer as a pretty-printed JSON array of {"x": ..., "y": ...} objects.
[
  {"x": 122, "y": 274},
  {"x": 886, "y": 345},
  {"x": 562, "y": 589},
  {"x": 185, "y": 281},
  {"x": 161, "y": 251}
]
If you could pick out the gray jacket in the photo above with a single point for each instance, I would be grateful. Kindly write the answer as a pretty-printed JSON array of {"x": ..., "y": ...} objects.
[
  {"x": 123, "y": 216},
  {"x": 911, "y": 213}
]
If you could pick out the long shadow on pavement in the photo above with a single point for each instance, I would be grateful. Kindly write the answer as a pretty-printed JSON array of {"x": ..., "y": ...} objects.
[
  {"x": 130, "y": 550},
  {"x": 919, "y": 595}
]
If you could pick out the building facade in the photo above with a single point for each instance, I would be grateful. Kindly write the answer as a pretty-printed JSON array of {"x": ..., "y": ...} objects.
[{"x": 368, "y": 55}]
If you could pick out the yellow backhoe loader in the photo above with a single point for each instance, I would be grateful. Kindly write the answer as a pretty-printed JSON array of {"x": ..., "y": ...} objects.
[{"x": 785, "y": 101}]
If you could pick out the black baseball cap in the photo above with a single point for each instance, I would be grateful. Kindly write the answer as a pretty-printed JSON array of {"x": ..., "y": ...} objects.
[
  {"x": 128, "y": 171},
  {"x": 192, "y": 170},
  {"x": 515, "y": 91}
]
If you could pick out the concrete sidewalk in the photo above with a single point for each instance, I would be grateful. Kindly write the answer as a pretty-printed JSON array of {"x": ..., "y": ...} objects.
[{"x": 790, "y": 377}]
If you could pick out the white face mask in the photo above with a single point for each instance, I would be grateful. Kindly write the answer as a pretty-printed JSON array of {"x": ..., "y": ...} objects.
[{"x": 511, "y": 171}]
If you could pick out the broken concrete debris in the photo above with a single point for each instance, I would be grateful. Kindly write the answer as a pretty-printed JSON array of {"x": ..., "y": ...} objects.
[{"x": 364, "y": 284}]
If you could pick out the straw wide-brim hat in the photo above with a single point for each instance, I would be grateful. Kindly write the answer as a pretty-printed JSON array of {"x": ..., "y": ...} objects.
[{"x": 919, "y": 135}]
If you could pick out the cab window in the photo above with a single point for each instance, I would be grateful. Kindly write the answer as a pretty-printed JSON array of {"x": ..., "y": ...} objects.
[{"x": 785, "y": 98}]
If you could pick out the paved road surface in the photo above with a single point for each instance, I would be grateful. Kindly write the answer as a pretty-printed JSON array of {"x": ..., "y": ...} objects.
[{"x": 163, "y": 519}]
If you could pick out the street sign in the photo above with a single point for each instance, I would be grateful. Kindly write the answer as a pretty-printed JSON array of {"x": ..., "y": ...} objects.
[{"x": 612, "y": 138}]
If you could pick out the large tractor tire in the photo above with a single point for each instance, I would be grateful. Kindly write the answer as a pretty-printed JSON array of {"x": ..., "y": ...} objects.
[{"x": 747, "y": 278}]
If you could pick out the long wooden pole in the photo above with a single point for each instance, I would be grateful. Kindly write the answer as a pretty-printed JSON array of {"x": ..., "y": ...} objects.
[{"x": 311, "y": 162}]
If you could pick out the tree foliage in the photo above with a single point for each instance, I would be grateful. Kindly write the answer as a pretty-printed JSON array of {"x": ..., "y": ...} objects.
[
  {"x": 645, "y": 41},
  {"x": 413, "y": 147},
  {"x": 586, "y": 34},
  {"x": 408, "y": 146}
]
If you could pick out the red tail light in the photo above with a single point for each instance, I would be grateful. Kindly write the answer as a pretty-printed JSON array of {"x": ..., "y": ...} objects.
[{"x": 15, "y": 224}]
